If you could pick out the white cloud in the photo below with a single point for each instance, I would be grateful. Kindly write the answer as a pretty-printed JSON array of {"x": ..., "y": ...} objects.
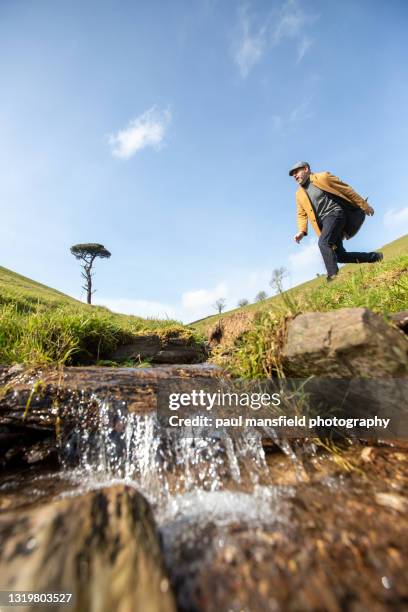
[
  {"x": 298, "y": 113},
  {"x": 193, "y": 305},
  {"x": 303, "y": 47},
  {"x": 199, "y": 303},
  {"x": 397, "y": 220},
  {"x": 305, "y": 264},
  {"x": 147, "y": 130},
  {"x": 290, "y": 22},
  {"x": 250, "y": 46}
]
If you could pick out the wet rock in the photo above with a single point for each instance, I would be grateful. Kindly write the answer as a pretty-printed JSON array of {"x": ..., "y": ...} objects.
[
  {"x": 320, "y": 536},
  {"x": 367, "y": 454},
  {"x": 177, "y": 350},
  {"x": 16, "y": 368},
  {"x": 400, "y": 319},
  {"x": 101, "y": 546},
  {"x": 141, "y": 348},
  {"x": 34, "y": 404},
  {"x": 24, "y": 450},
  {"x": 35, "y": 398},
  {"x": 157, "y": 350},
  {"x": 393, "y": 501},
  {"x": 42, "y": 451},
  {"x": 349, "y": 342}
]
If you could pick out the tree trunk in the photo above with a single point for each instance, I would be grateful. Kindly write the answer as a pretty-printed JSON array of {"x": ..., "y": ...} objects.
[{"x": 89, "y": 285}]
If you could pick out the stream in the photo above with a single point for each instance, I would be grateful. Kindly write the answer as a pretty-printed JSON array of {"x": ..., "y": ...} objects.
[{"x": 242, "y": 523}]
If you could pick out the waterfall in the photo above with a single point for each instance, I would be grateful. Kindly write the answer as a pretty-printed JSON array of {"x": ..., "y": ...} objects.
[{"x": 113, "y": 444}]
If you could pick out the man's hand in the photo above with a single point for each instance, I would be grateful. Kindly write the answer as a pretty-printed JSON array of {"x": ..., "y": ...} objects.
[
  {"x": 370, "y": 211},
  {"x": 298, "y": 237}
]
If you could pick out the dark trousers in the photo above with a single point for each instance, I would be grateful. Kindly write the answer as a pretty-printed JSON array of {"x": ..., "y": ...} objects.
[{"x": 331, "y": 244}]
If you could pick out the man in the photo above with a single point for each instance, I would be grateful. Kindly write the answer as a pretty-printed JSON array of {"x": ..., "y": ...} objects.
[{"x": 335, "y": 212}]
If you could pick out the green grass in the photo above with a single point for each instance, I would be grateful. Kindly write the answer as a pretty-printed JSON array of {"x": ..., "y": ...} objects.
[
  {"x": 391, "y": 251},
  {"x": 39, "y": 325}
]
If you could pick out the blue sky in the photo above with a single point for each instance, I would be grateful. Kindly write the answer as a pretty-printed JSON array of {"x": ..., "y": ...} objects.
[{"x": 164, "y": 130}]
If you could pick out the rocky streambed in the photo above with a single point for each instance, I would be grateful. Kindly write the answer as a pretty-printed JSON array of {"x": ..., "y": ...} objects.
[{"x": 99, "y": 500}]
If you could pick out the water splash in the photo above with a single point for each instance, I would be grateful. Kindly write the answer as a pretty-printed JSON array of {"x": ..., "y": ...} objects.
[{"x": 108, "y": 443}]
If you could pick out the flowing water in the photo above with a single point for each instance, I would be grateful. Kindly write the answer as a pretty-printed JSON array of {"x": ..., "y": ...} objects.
[
  {"x": 241, "y": 530},
  {"x": 197, "y": 486}
]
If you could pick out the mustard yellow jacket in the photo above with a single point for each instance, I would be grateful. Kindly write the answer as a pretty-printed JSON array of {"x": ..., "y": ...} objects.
[{"x": 332, "y": 184}]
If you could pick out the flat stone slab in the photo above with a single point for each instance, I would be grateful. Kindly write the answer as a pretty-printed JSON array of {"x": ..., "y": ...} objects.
[
  {"x": 35, "y": 393},
  {"x": 36, "y": 404},
  {"x": 158, "y": 350}
]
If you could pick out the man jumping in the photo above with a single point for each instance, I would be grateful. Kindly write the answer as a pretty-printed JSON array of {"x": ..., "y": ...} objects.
[{"x": 335, "y": 211}]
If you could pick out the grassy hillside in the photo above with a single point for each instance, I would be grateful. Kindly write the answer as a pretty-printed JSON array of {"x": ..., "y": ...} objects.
[
  {"x": 40, "y": 325},
  {"x": 392, "y": 251},
  {"x": 15, "y": 287}
]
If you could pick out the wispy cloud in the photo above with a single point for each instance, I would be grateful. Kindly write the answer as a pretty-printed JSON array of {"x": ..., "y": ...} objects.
[
  {"x": 298, "y": 113},
  {"x": 251, "y": 42},
  {"x": 147, "y": 130},
  {"x": 303, "y": 47},
  {"x": 291, "y": 21}
]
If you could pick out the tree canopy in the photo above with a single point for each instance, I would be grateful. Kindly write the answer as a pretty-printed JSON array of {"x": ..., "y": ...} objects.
[{"x": 89, "y": 250}]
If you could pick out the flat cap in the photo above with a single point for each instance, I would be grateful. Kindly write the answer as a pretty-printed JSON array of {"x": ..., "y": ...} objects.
[{"x": 300, "y": 164}]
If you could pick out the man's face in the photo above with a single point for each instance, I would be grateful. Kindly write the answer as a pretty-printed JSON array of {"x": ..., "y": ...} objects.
[{"x": 301, "y": 174}]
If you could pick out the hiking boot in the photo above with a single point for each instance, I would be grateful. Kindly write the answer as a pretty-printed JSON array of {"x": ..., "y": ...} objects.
[
  {"x": 330, "y": 278},
  {"x": 376, "y": 257}
]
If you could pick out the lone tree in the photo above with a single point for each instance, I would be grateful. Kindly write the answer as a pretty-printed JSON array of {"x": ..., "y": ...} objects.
[
  {"x": 87, "y": 253},
  {"x": 243, "y": 302},
  {"x": 261, "y": 296},
  {"x": 219, "y": 305}
]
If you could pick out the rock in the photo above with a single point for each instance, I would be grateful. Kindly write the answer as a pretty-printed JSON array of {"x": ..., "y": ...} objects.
[
  {"x": 35, "y": 405},
  {"x": 350, "y": 342},
  {"x": 167, "y": 350},
  {"x": 177, "y": 350},
  {"x": 16, "y": 368},
  {"x": 35, "y": 399},
  {"x": 393, "y": 501},
  {"x": 101, "y": 546},
  {"x": 367, "y": 454},
  {"x": 41, "y": 452},
  {"x": 141, "y": 348},
  {"x": 400, "y": 319}
]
